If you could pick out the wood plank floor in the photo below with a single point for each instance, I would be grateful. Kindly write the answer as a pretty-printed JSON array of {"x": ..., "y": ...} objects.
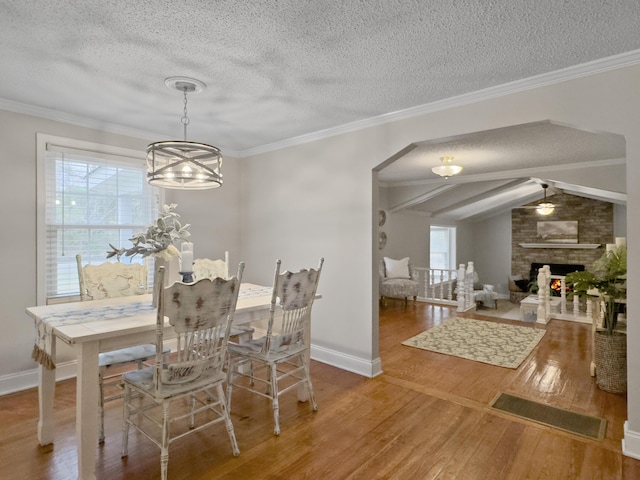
[{"x": 426, "y": 417}]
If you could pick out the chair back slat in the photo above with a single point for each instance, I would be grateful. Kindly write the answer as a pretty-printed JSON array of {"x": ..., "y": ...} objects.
[
  {"x": 201, "y": 314},
  {"x": 290, "y": 312}
]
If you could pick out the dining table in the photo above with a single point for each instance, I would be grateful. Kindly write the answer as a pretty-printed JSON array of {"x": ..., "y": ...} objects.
[{"x": 91, "y": 327}]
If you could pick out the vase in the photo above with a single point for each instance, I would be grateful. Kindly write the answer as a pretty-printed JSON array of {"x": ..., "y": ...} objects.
[
  {"x": 611, "y": 361},
  {"x": 171, "y": 273}
]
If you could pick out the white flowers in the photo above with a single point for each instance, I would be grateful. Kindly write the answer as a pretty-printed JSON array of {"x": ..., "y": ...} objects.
[{"x": 158, "y": 238}]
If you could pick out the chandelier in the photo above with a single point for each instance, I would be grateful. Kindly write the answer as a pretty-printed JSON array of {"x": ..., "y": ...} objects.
[
  {"x": 447, "y": 169},
  {"x": 183, "y": 164}
]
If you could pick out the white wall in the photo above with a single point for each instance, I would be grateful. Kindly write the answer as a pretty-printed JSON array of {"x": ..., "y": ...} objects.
[
  {"x": 407, "y": 236},
  {"x": 214, "y": 215},
  {"x": 492, "y": 251}
]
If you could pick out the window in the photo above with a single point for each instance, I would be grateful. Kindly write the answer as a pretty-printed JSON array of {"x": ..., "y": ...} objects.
[
  {"x": 443, "y": 248},
  {"x": 91, "y": 195}
]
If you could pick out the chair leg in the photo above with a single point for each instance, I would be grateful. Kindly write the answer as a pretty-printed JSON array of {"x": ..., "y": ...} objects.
[
  {"x": 274, "y": 399},
  {"x": 101, "y": 404},
  {"x": 164, "y": 448},
  {"x": 307, "y": 374},
  {"x": 192, "y": 418},
  {"x": 227, "y": 420},
  {"x": 230, "y": 368},
  {"x": 125, "y": 425}
]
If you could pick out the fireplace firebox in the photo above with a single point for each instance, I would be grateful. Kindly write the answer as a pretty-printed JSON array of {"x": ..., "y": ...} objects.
[{"x": 556, "y": 269}]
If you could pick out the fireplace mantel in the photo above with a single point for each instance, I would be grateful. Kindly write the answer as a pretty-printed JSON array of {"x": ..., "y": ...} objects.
[{"x": 560, "y": 245}]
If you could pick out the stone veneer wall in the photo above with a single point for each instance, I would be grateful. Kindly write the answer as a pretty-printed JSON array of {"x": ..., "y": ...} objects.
[{"x": 595, "y": 225}]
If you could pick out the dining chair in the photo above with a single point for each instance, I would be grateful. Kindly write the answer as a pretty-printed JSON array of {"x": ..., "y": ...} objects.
[
  {"x": 109, "y": 280},
  {"x": 212, "y": 268},
  {"x": 208, "y": 268},
  {"x": 200, "y": 314},
  {"x": 275, "y": 363}
]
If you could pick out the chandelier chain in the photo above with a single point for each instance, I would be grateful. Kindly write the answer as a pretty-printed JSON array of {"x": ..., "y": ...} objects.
[{"x": 185, "y": 118}]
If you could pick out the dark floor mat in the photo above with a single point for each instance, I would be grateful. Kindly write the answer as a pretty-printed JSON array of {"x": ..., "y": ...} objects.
[{"x": 591, "y": 427}]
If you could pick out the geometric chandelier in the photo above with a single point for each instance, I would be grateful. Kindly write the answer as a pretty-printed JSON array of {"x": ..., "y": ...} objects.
[
  {"x": 183, "y": 164},
  {"x": 447, "y": 169}
]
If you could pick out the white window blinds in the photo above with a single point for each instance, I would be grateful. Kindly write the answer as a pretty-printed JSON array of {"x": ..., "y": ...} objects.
[{"x": 93, "y": 195}]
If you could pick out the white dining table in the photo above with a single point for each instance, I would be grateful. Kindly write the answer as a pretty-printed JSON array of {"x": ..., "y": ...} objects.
[{"x": 96, "y": 331}]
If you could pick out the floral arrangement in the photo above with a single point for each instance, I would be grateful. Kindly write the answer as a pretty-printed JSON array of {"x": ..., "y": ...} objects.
[{"x": 158, "y": 238}]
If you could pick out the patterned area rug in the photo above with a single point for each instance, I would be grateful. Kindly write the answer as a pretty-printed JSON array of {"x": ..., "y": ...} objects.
[{"x": 488, "y": 342}]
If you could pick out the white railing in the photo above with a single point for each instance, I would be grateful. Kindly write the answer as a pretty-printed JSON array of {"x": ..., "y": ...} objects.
[
  {"x": 446, "y": 286},
  {"x": 573, "y": 310}
]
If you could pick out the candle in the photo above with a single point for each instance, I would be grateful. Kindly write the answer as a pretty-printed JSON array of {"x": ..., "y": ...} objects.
[{"x": 186, "y": 258}]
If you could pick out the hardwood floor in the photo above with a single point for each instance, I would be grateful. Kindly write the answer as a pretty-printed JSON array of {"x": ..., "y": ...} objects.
[{"x": 425, "y": 417}]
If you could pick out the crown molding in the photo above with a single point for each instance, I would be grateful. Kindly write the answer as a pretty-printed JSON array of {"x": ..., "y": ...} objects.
[
  {"x": 79, "y": 121},
  {"x": 570, "y": 73}
]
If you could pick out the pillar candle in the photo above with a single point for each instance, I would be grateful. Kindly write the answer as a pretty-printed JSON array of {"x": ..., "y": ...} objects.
[{"x": 186, "y": 258}]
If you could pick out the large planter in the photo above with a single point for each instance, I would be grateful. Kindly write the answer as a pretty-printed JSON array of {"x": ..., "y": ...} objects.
[{"x": 611, "y": 361}]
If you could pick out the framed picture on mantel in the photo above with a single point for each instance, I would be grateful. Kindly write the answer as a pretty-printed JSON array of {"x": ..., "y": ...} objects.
[{"x": 558, "y": 232}]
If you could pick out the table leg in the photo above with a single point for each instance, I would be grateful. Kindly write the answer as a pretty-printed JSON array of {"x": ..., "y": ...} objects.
[
  {"x": 87, "y": 408},
  {"x": 46, "y": 394}
]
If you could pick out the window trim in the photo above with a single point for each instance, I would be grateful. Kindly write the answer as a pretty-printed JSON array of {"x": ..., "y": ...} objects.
[{"x": 57, "y": 143}]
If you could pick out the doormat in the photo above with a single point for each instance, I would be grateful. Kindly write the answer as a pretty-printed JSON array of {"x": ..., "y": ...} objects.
[{"x": 584, "y": 425}]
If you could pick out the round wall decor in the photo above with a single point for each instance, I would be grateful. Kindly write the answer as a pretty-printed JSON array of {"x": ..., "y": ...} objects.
[{"x": 382, "y": 217}]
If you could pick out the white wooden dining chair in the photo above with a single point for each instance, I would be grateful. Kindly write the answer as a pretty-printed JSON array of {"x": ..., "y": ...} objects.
[
  {"x": 201, "y": 314},
  {"x": 208, "y": 268},
  {"x": 212, "y": 268},
  {"x": 276, "y": 363},
  {"x": 109, "y": 280}
]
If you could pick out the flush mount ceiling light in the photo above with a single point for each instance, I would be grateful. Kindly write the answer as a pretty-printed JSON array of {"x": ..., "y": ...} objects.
[
  {"x": 545, "y": 208},
  {"x": 447, "y": 170},
  {"x": 179, "y": 163}
]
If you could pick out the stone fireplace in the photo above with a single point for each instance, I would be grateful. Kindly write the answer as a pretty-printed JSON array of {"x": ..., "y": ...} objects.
[{"x": 595, "y": 227}]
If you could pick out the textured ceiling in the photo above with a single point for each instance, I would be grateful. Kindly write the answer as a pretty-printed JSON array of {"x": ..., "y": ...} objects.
[{"x": 277, "y": 70}]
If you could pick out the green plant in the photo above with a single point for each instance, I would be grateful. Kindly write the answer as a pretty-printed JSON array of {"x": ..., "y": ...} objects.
[
  {"x": 607, "y": 280},
  {"x": 158, "y": 238}
]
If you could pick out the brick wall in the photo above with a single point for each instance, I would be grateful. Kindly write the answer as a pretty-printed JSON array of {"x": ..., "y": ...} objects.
[{"x": 595, "y": 225}]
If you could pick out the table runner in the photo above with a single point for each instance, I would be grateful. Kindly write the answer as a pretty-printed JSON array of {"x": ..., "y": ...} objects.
[{"x": 44, "y": 327}]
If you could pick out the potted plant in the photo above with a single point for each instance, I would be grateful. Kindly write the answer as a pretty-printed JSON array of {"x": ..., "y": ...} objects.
[
  {"x": 157, "y": 240},
  {"x": 607, "y": 281}
]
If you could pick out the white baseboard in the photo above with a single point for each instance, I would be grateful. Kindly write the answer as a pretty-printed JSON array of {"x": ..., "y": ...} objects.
[
  {"x": 631, "y": 442},
  {"x": 350, "y": 363},
  {"x": 16, "y": 382}
]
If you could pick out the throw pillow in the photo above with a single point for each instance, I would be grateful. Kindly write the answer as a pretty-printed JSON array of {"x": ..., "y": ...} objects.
[{"x": 397, "y": 268}]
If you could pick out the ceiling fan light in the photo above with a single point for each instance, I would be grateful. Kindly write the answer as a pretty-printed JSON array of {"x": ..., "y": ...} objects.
[
  {"x": 545, "y": 208},
  {"x": 447, "y": 170}
]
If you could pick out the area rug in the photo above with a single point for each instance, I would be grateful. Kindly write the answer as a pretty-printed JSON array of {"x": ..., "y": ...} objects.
[
  {"x": 585, "y": 425},
  {"x": 488, "y": 342}
]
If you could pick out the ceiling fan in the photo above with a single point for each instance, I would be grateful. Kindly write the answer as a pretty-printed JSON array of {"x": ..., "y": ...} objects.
[{"x": 544, "y": 207}]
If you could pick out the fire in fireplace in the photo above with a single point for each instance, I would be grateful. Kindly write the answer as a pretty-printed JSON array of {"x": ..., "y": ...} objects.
[{"x": 561, "y": 269}]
